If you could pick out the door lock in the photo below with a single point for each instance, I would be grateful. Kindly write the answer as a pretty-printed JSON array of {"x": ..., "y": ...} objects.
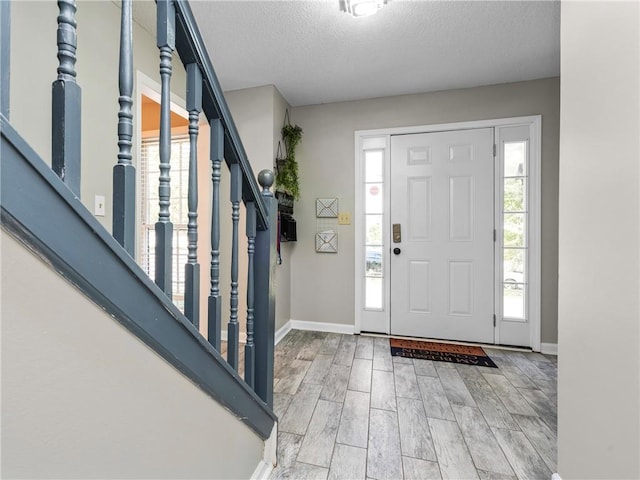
[
  {"x": 397, "y": 251},
  {"x": 397, "y": 233}
]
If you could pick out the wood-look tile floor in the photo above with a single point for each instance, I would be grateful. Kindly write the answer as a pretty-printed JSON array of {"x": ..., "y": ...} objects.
[{"x": 348, "y": 410}]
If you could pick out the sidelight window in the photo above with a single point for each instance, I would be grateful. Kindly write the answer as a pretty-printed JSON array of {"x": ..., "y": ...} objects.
[
  {"x": 515, "y": 217},
  {"x": 374, "y": 238}
]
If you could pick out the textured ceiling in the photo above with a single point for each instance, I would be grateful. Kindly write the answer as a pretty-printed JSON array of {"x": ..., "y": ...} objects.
[{"x": 313, "y": 53}]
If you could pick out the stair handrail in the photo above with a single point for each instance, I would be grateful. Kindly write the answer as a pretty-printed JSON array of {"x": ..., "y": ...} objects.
[
  {"x": 191, "y": 49},
  {"x": 177, "y": 31}
]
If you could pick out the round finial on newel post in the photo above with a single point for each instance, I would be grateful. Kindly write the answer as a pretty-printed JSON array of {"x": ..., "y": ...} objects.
[{"x": 266, "y": 179}]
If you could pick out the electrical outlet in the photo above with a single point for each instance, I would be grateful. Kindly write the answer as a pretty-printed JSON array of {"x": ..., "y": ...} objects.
[
  {"x": 98, "y": 206},
  {"x": 344, "y": 219}
]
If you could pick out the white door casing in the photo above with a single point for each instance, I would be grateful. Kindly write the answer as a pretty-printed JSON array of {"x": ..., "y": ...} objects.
[
  {"x": 442, "y": 191},
  {"x": 379, "y": 319},
  {"x": 517, "y": 297}
]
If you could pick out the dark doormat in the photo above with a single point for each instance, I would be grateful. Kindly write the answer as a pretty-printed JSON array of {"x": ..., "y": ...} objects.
[{"x": 441, "y": 352}]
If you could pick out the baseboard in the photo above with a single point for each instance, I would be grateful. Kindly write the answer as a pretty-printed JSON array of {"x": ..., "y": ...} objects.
[
  {"x": 282, "y": 332},
  {"x": 300, "y": 325},
  {"x": 224, "y": 335},
  {"x": 262, "y": 471},
  {"x": 546, "y": 348},
  {"x": 322, "y": 327},
  {"x": 266, "y": 465}
]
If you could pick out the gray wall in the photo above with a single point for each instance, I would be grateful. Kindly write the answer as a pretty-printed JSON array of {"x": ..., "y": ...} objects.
[
  {"x": 33, "y": 56},
  {"x": 599, "y": 311},
  {"x": 33, "y": 68},
  {"x": 283, "y": 271},
  {"x": 322, "y": 287},
  {"x": 258, "y": 114},
  {"x": 83, "y": 398}
]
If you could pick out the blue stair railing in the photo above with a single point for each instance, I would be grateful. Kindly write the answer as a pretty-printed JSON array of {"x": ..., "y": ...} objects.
[{"x": 177, "y": 32}]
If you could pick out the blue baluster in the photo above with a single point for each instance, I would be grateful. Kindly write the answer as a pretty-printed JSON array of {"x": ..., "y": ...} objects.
[
  {"x": 249, "y": 348},
  {"x": 215, "y": 300},
  {"x": 192, "y": 268},
  {"x": 66, "y": 102},
  {"x": 164, "y": 227},
  {"x": 124, "y": 173},
  {"x": 233, "y": 329}
]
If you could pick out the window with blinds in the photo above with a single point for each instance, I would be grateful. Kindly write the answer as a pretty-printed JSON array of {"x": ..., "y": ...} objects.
[{"x": 149, "y": 174}]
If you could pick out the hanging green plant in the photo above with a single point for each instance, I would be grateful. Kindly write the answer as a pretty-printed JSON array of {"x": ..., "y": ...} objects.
[
  {"x": 292, "y": 134},
  {"x": 287, "y": 166}
]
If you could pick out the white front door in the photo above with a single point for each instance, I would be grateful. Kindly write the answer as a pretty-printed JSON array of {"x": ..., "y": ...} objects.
[{"x": 442, "y": 250}]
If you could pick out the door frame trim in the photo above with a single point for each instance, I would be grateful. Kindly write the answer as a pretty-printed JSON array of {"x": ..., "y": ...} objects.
[{"x": 534, "y": 122}]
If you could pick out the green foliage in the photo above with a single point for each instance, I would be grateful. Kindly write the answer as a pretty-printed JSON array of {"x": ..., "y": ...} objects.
[
  {"x": 514, "y": 203},
  {"x": 514, "y": 193},
  {"x": 374, "y": 234},
  {"x": 514, "y": 198},
  {"x": 287, "y": 176},
  {"x": 292, "y": 134},
  {"x": 287, "y": 171}
]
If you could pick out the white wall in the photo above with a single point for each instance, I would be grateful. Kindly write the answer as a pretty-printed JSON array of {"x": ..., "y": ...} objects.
[
  {"x": 322, "y": 286},
  {"x": 33, "y": 69},
  {"x": 599, "y": 311},
  {"x": 83, "y": 398}
]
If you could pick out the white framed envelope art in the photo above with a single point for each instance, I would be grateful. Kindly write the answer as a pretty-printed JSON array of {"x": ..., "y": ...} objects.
[
  {"x": 327, "y": 242},
  {"x": 326, "y": 207}
]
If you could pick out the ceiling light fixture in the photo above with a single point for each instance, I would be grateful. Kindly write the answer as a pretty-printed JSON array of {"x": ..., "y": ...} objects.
[{"x": 361, "y": 8}]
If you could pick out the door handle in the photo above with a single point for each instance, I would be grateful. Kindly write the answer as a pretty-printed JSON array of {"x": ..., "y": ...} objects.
[{"x": 397, "y": 251}]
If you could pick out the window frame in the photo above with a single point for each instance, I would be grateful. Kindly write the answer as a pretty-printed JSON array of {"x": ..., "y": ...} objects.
[
  {"x": 146, "y": 86},
  {"x": 149, "y": 195}
]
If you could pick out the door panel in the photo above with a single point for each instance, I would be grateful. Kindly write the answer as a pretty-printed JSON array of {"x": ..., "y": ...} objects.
[
  {"x": 419, "y": 202},
  {"x": 460, "y": 288},
  {"x": 442, "y": 193},
  {"x": 420, "y": 286},
  {"x": 461, "y": 209}
]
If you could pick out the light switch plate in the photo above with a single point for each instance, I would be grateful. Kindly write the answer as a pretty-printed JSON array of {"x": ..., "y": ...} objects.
[
  {"x": 98, "y": 206},
  {"x": 344, "y": 219}
]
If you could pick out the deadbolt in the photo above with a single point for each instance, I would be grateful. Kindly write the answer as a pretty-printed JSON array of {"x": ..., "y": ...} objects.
[
  {"x": 397, "y": 251},
  {"x": 397, "y": 233}
]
